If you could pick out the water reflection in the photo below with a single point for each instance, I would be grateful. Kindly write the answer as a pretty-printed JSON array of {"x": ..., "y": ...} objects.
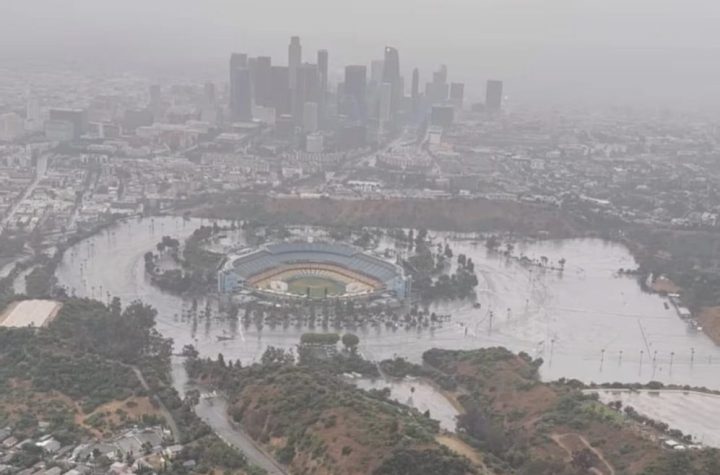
[{"x": 585, "y": 322}]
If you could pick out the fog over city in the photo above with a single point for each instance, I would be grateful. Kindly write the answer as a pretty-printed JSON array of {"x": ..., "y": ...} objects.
[
  {"x": 321, "y": 237},
  {"x": 649, "y": 53}
]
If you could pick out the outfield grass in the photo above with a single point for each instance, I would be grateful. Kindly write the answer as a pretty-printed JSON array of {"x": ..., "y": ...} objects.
[{"x": 317, "y": 286}]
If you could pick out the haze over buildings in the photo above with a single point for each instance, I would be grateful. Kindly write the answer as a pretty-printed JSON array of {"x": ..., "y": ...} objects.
[{"x": 600, "y": 52}]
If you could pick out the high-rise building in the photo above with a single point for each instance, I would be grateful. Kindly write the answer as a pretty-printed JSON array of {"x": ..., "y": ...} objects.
[
  {"x": 355, "y": 92},
  {"x": 437, "y": 91},
  {"x": 241, "y": 89},
  {"x": 294, "y": 59},
  {"x": 440, "y": 76},
  {"x": 391, "y": 75},
  {"x": 262, "y": 81},
  {"x": 281, "y": 97},
  {"x": 376, "y": 71},
  {"x": 307, "y": 89},
  {"x": 385, "y": 109},
  {"x": 494, "y": 95},
  {"x": 391, "y": 66},
  {"x": 457, "y": 94},
  {"x": 323, "y": 68},
  {"x": 237, "y": 61}
]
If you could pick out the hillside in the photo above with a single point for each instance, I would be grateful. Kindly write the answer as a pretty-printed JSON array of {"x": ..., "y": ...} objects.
[
  {"x": 535, "y": 428},
  {"x": 476, "y": 215},
  {"x": 93, "y": 374},
  {"x": 314, "y": 422}
]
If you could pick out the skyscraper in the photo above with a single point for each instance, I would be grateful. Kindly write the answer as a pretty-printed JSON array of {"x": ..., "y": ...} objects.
[
  {"x": 262, "y": 81},
  {"x": 241, "y": 94},
  {"x": 437, "y": 90},
  {"x": 415, "y": 92},
  {"x": 391, "y": 67},
  {"x": 494, "y": 95},
  {"x": 294, "y": 59},
  {"x": 457, "y": 94},
  {"x": 416, "y": 106},
  {"x": 237, "y": 60},
  {"x": 323, "y": 64},
  {"x": 391, "y": 75},
  {"x": 385, "y": 108},
  {"x": 376, "y": 71},
  {"x": 355, "y": 92},
  {"x": 281, "y": 97},
  {"x": 307, "y": 89}
]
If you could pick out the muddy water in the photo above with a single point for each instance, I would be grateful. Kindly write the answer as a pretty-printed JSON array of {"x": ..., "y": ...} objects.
[{"x": 585, "y": 322}]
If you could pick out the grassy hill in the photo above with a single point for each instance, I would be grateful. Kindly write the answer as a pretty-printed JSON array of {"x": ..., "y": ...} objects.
[{"x": 315, "y": 422}]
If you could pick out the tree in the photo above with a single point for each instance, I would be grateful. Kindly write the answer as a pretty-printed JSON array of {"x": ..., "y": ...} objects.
[
  {"x": 584, "y": 459},
  {"x": 189, "y": 351},
  {"x": 350, "y": 341},
  {"x": 277, "y": 356},
  {"x": 116, "y": 307}
]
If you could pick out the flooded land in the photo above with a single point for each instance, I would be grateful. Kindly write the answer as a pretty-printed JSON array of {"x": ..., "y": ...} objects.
[
  {"x": 694, "y": 413},
  {"x": 418, "y": 394},
  {"x": 586, "y": 322}
]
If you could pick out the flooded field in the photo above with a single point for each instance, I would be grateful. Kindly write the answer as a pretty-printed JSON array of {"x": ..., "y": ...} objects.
[
  {"x": 693, "y": 413},
  {"x": 418, "y": 394},
  {"x": 585, "y": 322}
]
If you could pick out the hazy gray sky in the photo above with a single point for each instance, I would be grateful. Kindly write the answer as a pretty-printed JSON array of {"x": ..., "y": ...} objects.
[{"x": 640, "y": 51}]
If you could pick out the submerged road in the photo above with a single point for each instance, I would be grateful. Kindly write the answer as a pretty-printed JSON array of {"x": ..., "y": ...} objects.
[{"x": 213, "y": 410}]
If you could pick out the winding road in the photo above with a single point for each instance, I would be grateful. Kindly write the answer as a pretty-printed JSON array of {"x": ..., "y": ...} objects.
[
  {"x": 166, "y": 413},
  {"x": 213, "y": 410}
]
